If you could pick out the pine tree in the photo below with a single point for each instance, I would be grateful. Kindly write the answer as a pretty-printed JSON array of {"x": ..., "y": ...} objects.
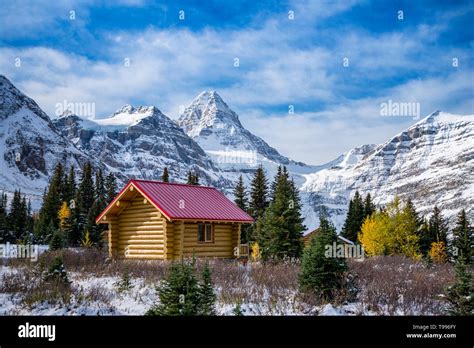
[
  {"x": 369, "y": 206},
  {"x": 5, "y": 235},
  {"x": 207, "y": 297},
  {"x": 280, "y": 234},
  {"x": 17, "y": 219},
  {"x": 463, "y": 238},
  {"x": 242, "y": 202},
  {"x": 354, "y": 219},
  {"x": 52, "y": 200},
  {"x": 100, "y": 194},
  {"x": 319, "y": 272},
  {"x": 438, "y": 227},
  {"x": 110, "y": 188},
  {"x": 70, "y": 186},
  {"x": 273, "y": 185},
  {"x": 56, "y": 241},
  {"x": 426, "y": 240},
  {"x": 240, "y": 194},
  {"x": 258, "y": 200},
  {"x": 165, "y": 177},
  {"x": 460, "y": 296},
  {"x": 193, "y": 179},
  {"x": 178, "y": 293},
  {"x": 85, "y": 192}
]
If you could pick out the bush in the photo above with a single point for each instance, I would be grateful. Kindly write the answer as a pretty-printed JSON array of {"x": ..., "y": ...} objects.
[
  {"x": 181, "y": 294},
  {"x": 124, "y": 283},
  {"x": 56, "y": 272}
]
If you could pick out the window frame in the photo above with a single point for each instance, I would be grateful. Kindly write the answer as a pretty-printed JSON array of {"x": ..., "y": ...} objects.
[{"x": 205, "y": 241}]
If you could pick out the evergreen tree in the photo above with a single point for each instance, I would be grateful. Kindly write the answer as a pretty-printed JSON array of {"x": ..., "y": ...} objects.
[
  {"x": 354, "y": 219},
  {"x": 463, "y": 238},
  {"x": 258, "y": 193},
  {"x": 273, "y": 185},
  {"x": 280, "y": 234},
  {"x": 56, "y": 241},
  {"x": 207, "y": 297},
  {"x": 460, "y": 296},
  {"x": 52, "y": 200},
  {"x": 110, "y": 188},
  {"x": 178, "y": 293},
  {"x": 165, "y": 177},
  {"x": 70, "y": 186},
  {"x": 426, "y": 240},
  {"x": 369, "y": 206},
  {"x": 100, "y": 194},
  {"x": 85, "y": 193},
  {"x": 240, "y": 194},
  {"x": 242, "y": 202},
  {"x": 438, "y": 227},
  {"x": 321, "y": 273},
  {"x": 18, "y": 218},
  {"x": 5, "y": 235},
  {"x": 193, "y": 179}
]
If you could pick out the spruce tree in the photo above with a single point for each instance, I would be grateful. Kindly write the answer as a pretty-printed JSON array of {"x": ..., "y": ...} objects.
[
  {"x": 320, "y": 272},
  {"x": 52, "y": 200},
  {"x": 242, "y": 202},
  {"x": 463, "y": 238},
  {"x": 460, "y": 296},
  {"x": 438, "y": 227},
  {"x": 100, "y": 194},
  {"x": 354, "y": 219},
  {"x": 207, "y": 297},
  {"x": 165, "y": 177},
  {"x": 280, "y": 234},
  {"x": 110, "y": 188},
  {"x": 18, "y": 218},
  {"x": 4, "y": 231},
  {"x": 240, "y": 194},
  {"x": 178, "y": 293},
  {"x": 70, "y": 186},
  {"x": 193, "y": 179},
  {"x": 369, "y": 206},
  {"x": 426, "y": 239},
  {"x": 86, "y": 192},
  {"x": 258, "y": 193}
]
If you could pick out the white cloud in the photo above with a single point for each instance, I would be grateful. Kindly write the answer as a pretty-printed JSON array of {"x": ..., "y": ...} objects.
[{"x": 169, "y": 67}]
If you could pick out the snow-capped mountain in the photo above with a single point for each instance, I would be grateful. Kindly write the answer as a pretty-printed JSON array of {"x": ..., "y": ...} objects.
[
  {"x": 432, "y": 162},
  {"x": 218, "y": 130},
  {"x": 139, "y": 142},
  {"x": 30, "y": 146}
]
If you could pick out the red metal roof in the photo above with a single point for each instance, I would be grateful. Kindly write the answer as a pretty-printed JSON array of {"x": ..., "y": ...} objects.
[{"x": 181, "y": 201}]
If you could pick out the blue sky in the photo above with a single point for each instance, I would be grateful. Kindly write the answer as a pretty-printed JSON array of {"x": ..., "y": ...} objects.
[{"x": 282, "y": 62}]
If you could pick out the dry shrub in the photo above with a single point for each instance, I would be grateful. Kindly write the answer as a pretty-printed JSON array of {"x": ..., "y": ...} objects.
[{"x": 392, "y": 285}]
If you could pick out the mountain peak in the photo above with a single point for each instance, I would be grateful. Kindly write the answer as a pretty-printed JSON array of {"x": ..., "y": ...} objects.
[
  {"x": 207, "y": 111},
  {"x": 12, "y": 100}
]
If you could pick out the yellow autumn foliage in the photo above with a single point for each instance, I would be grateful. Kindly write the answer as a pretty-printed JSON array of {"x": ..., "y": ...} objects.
[
  {"x": 438, "y": 252},
  {"x": 392, "y": 231},
  {"x": 63, "y": 214},
  {"x": 256, "y": 254}
]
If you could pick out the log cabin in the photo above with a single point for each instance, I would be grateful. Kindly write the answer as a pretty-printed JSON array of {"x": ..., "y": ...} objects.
[{"x": 167, "y": 221}]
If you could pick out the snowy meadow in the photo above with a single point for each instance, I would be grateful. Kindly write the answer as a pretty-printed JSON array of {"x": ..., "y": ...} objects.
[{"x": 95, "y": 285}]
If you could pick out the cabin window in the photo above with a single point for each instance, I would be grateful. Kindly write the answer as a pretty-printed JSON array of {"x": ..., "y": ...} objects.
[{"x": 205, "y": 233}]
